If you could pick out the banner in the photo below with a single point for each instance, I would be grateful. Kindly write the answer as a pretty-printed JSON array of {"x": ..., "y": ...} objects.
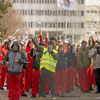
[{"x": 67, "y": 4}]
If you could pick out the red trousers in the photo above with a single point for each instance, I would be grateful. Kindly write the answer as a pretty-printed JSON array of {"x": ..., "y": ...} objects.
[
  {"x": 76, "y": 77},
  {"x": 14, "y": 87},
  {"x": 28, "y": 77},
  {"x": 79, "y": 78},
  {"x": 3, "y": 75},
  {"x": 22, "y": 82},
  {"x": 90, "y": 75},
  {"x": 71, "y": 78},
  {"x": 60, "y": 80},
  {"x": 35, "y": 81},
  {"x": 84, "y": 79}
]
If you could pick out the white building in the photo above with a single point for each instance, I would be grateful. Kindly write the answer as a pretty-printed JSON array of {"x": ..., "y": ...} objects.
[
  {"x": 92, "y": 21},
  {"x": 70, "y": 23}
]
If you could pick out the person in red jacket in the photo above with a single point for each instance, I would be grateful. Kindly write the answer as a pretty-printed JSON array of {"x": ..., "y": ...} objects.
[
  {"x": 41, "y": 37},
  {"x": 4, "y": 50},
  {"x": 28, "y": 76},
  {"x": 1, "y": 58},
  {"x": 22, "y": 81}
]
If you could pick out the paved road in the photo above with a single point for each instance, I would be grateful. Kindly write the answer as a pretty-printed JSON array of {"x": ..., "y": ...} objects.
[{"x": 77, "y": 94}]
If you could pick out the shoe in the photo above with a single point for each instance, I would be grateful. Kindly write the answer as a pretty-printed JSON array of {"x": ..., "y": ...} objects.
[
  {"x": 57, "y": 95},
  {"x": 71, "y": 89},
  {"x": 44, "y": 96},
  {"x": 91, "y": 89},
  {"x": 24, "y": 95},
  {"x": 88, "y": 91},
  {"x": 77, "y": 85},
  {"x": 68, "y": 91},
  {"x": 1, "y": 88},
  {"x": 62, "y": 95},
  {"x": 41, "y": 98},
  {"x": 47, "y": 93},
  {"x": 97, "y": 92},
  {"x": 26, "y": 90},
  {"x": 33, "y": 96},
  {"x": 54, "y": 98}
]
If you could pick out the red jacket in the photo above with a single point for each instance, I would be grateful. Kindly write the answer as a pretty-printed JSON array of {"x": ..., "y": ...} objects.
[
  {"x": 30, "y": 59},
  {"x": 41, "y": 39}
]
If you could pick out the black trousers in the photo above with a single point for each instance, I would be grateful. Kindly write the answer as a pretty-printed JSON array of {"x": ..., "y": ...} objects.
[
  {"x": 43, "y": 74},
  {"x": 97, "y": 76}
]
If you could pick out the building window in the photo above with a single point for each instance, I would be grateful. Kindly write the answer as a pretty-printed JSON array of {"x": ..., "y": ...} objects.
[
  {"x": 50, "y": 1},
  {"x": 50, "y": 24},
  {"x": 62, "y": 25},
  {"x": 82, "y": 1},
  {"x": 92, "y": 11},
  {"x": 82, "y": 13},
  {"x": 95, "y": 22},
  {"x": 82, "y": 25},
  {"x": 59, "y": 25},
  {"x": 43, "y": 1},
  {"x": 68, "y": 25},
  {"x": 54, "y": 1},
  {"x": 88, "y": 11},
  {"x": 54, "y": 25}
]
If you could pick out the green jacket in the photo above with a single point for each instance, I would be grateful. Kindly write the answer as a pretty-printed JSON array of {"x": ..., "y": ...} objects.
[{"x": 83, "y": 58}]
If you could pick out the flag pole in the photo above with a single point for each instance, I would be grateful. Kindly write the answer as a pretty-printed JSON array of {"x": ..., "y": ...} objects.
[{"x": 56, "y": 19}]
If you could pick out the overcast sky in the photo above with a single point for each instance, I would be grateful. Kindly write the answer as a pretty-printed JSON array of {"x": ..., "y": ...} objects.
[{"x": 93, "y": 2}]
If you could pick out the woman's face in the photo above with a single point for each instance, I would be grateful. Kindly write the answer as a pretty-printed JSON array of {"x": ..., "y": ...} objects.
[
  {"x": 32, "y": 45},
  {"x": 61, "y": 49},
  {"x": 23, "y": 47},
  {"x": 96, "y": 44}
]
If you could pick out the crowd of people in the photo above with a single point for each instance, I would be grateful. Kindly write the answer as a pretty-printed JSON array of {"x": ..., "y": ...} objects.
[{"x": 49, "y": 67}]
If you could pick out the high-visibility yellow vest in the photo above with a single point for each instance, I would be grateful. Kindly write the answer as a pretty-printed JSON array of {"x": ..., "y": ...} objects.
[
  {"x": 57, "y": 47},
  {"x": 47, "y": 61}
]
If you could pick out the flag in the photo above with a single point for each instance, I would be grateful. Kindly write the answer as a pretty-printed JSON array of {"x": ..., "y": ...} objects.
[{"x": 67, "y": 4}]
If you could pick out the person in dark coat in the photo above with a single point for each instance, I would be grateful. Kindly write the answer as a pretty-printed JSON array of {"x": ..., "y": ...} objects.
[
  {"x": 62, "y": 70},
  {"x": 36, "y": 66},
  {"x": 14, "y": 59}
]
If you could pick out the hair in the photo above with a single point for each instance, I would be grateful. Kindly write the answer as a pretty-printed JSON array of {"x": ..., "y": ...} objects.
[
  {"x": 53, "y": 38},
  {"x": 61, "y": 46}
]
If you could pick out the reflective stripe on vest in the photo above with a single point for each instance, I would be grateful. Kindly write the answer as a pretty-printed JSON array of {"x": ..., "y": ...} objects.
[
  {"x": 47, "y": 64},
  {"x": 49, "y": 60}
]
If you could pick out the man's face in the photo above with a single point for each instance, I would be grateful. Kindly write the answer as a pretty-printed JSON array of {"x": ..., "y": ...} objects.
[
  {"x": 15, "y": 48},
  {"x": 59, "y": 43},
  {"x": 50, "y": 46},
  {"x": 42, "y": 46},
  {"x": 83, "y": 44},
  {"x": 61, "y": 49}
]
